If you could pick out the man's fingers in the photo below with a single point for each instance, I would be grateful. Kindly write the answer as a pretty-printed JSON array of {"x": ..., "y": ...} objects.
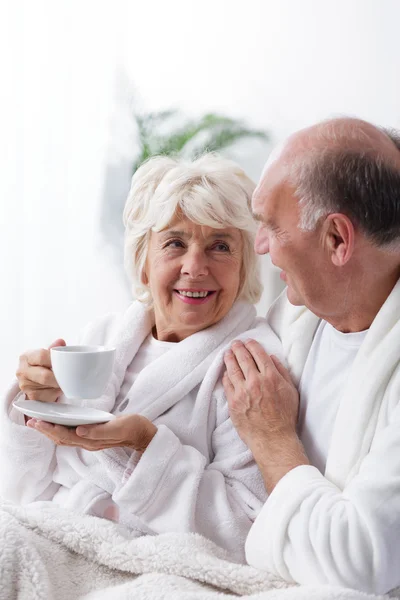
[
  {"x": 228, "y": 387},
  {"x": 245, "y": 359},
  {"x": 259, "y": 355},
  {"x": 233, "y": 369},
  {"x": 281, "y": 369},
  {"x": 265, "y": 361}
]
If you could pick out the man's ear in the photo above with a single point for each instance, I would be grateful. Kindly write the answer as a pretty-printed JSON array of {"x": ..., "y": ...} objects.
[{"x": 339, "y": 238}]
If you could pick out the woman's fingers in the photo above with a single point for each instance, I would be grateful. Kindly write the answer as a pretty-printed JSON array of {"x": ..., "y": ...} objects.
[
  {"x": 42, "y": 395},
  {"x": 116, "y": 430},
  {"x": 58, "y": 342},
  {"x": 126, "y": 430},
  {"x": 41, "y": 356},
  {"x": 133, "y": 431},
  {"x": 37, "y": 391},
  {"x": 37, "y": 358},
  {"x": 63, "y": 436},
  {"x": 40, "y": 376},
  {"x": 35, "y": 376},
  {"x": 103, "y": 431},
  {"x": 57, "y": 433}
]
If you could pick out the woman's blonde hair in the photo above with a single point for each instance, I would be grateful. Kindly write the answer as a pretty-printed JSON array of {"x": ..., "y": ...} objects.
[{"x": 210, "y": 191}]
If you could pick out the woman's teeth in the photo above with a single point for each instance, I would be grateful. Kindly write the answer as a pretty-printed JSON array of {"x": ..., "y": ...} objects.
[{"x": 193, "y": 294}]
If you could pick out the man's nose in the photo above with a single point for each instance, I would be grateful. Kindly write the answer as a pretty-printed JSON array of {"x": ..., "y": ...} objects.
[
  {"x": 195, "y": 263},
  {"x": 261, "y": 243}
]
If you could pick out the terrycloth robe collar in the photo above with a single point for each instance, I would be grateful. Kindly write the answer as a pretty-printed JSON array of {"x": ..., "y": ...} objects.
[
  {"x": 174, "y": 374},
  {"x": 368, "y": 383}
]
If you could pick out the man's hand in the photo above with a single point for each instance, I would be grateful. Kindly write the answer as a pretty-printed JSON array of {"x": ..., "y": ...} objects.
[
  {"x": 129, "y": 431},
  {"x": 262, "y": 398},
  {"x": 263, "y": 405}
]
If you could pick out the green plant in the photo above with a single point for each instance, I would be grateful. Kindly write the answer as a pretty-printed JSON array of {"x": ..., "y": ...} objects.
[{"x": 169, "y": 133}]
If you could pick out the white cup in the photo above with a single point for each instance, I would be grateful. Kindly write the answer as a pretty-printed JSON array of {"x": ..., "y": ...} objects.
[{"x": 82, "y": 371}]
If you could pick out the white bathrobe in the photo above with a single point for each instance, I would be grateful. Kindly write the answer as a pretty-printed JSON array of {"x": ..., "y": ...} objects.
[
  {"x": 342, "y": 527},
  {"x": 196, "y": 474}
]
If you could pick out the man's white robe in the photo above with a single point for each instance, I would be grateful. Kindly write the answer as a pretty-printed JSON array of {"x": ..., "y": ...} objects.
[{"x": 343, "y": 526}]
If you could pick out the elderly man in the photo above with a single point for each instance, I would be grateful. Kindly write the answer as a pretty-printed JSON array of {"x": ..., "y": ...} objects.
[{"x": 328, "y": 206}]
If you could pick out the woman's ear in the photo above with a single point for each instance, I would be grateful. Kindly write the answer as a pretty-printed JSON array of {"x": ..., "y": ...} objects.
[
  {"x": 339, "y": 238},
  {"x": 144, "y": 278}
]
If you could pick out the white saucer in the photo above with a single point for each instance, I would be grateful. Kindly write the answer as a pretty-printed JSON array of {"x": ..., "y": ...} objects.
[{"x": 62, "y": 414}]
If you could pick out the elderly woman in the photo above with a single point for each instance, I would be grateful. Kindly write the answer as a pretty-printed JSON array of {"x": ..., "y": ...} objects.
[{"x": 171, "y": 460}]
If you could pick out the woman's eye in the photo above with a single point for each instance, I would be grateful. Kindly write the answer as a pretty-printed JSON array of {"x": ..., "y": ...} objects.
[
  {"x": 174, "y": 244},
  {"x": 221, "y": 247}
]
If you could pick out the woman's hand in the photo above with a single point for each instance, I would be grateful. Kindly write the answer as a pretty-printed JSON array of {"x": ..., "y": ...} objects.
[
  {"x": 129, "y": 431},
  {"x": 35, "y": 376}
]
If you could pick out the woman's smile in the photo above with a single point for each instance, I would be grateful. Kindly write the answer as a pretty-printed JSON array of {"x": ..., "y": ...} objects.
[
  {"x": 190, "y": 296},
  {"x": 194, "y": 273}
]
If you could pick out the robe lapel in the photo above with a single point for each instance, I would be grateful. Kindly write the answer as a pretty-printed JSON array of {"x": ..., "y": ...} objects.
[
  {"x": 135, "y": 326},
  {"x": 297, "y": 339},
  {"x": 371, "y": 373},
  {"x": 174, "y": 374}
]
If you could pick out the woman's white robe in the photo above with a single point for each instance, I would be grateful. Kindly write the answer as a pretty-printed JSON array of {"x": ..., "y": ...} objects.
[{"x": 196, "y": 474}]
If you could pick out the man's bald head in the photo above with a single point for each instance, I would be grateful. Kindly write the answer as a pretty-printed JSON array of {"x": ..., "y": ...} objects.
[
  {"x": 341, "y": 134},
  {"x": 353, "y": 135},
  {"x": 344, "y": 165}
]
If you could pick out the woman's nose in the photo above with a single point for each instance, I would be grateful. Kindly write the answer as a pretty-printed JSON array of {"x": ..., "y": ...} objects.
[
  {"x": 261, "y": 243},
  {"x": 195, "y": 263}
]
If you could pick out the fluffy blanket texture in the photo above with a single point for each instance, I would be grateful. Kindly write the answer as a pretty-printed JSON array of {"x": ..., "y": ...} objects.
[{"x": 48, "y": 552}]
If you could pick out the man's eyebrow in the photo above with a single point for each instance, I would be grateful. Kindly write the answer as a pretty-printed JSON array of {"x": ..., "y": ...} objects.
[
  {"x": 268, "y": 222},
  {"x": 256, "y": 216}
]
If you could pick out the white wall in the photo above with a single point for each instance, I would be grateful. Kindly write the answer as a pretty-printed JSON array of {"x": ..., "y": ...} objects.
[
  {"x": 279, "y": 64},
  {"x": 56, "y": 105}
]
